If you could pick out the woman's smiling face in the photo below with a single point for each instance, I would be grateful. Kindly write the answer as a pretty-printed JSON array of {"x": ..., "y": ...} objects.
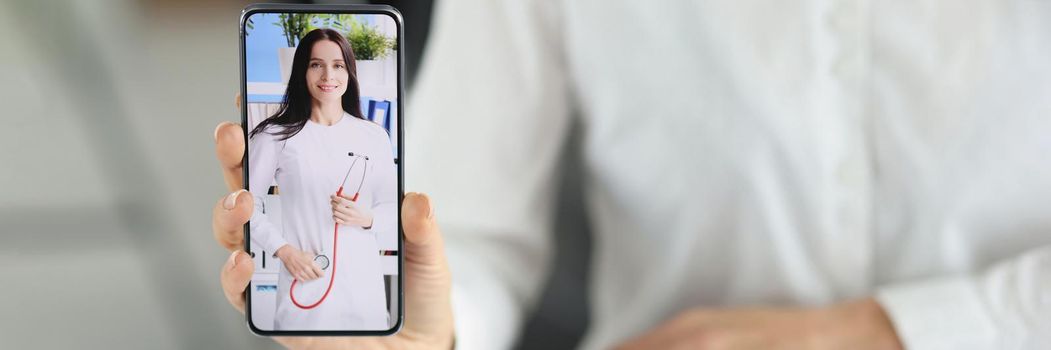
[{"x": 327, "y": 73}]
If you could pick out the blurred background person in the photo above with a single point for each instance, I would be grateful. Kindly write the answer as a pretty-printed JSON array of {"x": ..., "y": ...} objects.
[
  {"x": 887, "y": 157},
  {"x": 757, "y": 174}
]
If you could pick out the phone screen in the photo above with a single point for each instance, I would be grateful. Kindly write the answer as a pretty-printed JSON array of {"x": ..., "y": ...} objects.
[{"x": 322, "y": 99}]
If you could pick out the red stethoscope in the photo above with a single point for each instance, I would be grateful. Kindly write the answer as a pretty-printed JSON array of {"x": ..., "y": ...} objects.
[{"x": 335, "y": 233}]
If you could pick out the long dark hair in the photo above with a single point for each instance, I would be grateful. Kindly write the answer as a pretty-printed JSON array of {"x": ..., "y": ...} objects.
[{"x": 295, "y": 109}]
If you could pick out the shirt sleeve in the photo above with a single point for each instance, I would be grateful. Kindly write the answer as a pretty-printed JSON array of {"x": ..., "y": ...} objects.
[
  {"x": 486, "y": 125},
  {"x": 262, "y": 167},
  {"x": 1004, "y": 307}
]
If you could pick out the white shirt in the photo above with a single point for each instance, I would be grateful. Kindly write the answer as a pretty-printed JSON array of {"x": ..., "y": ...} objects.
[
  {"x": 747, "y": 153},
  {"x": 309, "y": 167}
]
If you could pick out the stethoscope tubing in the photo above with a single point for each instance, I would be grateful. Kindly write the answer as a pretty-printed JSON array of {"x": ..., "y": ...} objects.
[{"x": 335, "y": 234}]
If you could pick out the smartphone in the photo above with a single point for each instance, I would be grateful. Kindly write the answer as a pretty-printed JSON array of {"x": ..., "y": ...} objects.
[{"x": 321, "y": 87}]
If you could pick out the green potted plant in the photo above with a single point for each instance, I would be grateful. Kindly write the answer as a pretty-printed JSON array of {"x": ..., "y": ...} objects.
[
  {"x": 369, "y": 44},
  {"x": 367, "y": 41},
  {"x": 371, "y": 48}
]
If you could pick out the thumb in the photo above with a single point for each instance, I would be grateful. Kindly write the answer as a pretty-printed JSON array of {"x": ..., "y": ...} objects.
[
  {"x": 418, "y": 220},
  {"x": 427, "y": 279},
  {"x": 229, "y": 217},
  {"x": 236, "y": 274}
]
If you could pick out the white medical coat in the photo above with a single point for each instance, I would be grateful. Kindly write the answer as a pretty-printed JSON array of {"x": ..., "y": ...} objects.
[{"x": 308, "y": 168}]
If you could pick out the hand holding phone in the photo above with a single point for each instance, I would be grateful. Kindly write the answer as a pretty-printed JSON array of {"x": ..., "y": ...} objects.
[{"x": 426, "y": 273}]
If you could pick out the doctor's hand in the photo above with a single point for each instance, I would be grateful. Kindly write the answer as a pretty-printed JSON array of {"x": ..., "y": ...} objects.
[
  {"x": 299, "y": 264},
  {"x": 347, "y": 212},
  {"x": 852, "y": 325},
  {"x": 428, "y": 320}
]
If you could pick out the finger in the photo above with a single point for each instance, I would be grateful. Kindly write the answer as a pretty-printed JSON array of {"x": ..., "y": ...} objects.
[
  {"x": 306, "y": 264},
  {"x": 310, "y": 272},
  {"x": 679, "y": 328},
  {"x": 230, "y": 214},
  {"x": 646, "y": 341},
  {"x": 347, "y": 196},
  {"x": 339, "y": 209},
  {"x": 317, "y": 270},
  {"x": 230, "y": 149},
  {"x": 418, "y": 222},
  {"x": 427, "y": 279},
  {"x": 234, "y": 278},
  {"x": 342, "y": 204},
  {"x": 349, "y": 215},
  {"x": 300, "y": 274},
  {"x": 346, "y": 202},
  {"x": 305, "y": 271},
  {"x": 339, "y": 215}
]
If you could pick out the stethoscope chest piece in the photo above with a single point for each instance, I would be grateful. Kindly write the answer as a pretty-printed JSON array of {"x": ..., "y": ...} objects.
[{"x": 322, "y": 261}]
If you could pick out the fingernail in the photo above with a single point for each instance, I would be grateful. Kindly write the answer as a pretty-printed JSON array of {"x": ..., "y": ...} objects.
[
  {"x": 232, "y": 261},
  {"x": 430, "y": 208},
  {"x": 231, "y": 199},
  {"x": 215, "y": 134}
]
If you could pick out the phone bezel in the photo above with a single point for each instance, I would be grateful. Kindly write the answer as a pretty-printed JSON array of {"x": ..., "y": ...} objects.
[{"x": 336, "y": 9}]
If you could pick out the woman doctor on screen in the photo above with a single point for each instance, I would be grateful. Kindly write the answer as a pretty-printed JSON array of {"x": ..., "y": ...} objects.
[{"x": 307, "y": 147}]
